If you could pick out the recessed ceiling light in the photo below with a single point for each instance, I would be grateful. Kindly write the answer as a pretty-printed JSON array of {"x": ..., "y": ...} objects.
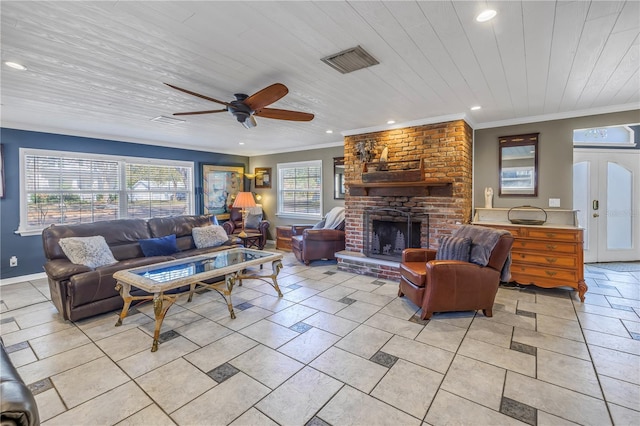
[
  {"x": 329, "y": 131},
  {"x": 240, "y": 143},
  {"x": 391, "y": 122},
  {"x": 15, "y": 65},
  {"x": 475, "y": 108},
  {"x": 486, "y": 15}
]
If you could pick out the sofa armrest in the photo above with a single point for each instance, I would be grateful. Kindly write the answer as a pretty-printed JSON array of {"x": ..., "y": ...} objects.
[
  {"x": 229, "y": 227},
  {"x": 263, "y": 226},
  {"x": 323, "y": 235},
  {"x": 418, "y": 255},
  {"x": 61, "y": 269},
  {"x": 18, "y": 404}
]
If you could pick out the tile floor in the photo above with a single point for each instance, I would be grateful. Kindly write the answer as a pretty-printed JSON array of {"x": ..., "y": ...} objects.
[{"x": 337, "y": 349}]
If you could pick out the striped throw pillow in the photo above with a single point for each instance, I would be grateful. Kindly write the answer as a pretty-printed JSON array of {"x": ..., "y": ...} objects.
[{"x": 454, "y": 248}]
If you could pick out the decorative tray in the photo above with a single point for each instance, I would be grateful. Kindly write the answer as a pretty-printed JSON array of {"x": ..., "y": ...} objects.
[{"x": 527, "y": 221}]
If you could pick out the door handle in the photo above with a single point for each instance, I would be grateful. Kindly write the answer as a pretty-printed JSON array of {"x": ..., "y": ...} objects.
[
  {"x": 595, "y": 204},
  {"x": 596, "y": 215}
]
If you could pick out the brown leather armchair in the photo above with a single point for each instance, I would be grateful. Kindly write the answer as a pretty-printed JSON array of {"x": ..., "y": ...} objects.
[
  {"x": 452, "y": 285},
  {"x": 310, "y": 244},
  {"x": 234, "y": 226}
]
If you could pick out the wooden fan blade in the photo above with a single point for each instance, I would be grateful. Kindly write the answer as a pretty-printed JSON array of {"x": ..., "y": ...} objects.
[
  {"x": 197, "y": 94},
  {"x": 213, "y": 111},
  {"x": 266, "y": 96},
  {"x": 284, "y": 114}
]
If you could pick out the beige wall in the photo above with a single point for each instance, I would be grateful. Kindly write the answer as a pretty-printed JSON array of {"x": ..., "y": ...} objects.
[
  {"x": 269, "y": 196},
  {"x": 555, "y": 160}
]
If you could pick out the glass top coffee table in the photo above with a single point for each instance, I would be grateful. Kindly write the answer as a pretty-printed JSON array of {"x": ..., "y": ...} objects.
[{"x": 160, "y": 278}]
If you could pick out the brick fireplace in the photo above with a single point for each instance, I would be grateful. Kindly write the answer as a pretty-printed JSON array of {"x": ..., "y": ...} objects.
[{"x": 439, "y": 204}]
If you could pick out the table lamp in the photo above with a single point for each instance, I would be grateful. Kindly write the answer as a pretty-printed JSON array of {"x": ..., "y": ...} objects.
[{"x": 243, "y": 201}]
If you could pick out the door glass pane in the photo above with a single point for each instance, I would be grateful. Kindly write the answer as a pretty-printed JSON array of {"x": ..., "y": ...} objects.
[
  {"x": 581, "y": 196},
  {"x": 619, "y": 202}
]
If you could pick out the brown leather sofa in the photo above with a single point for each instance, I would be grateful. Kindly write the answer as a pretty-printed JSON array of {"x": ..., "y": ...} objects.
[
  {"x": 452, "y": 285},
  {"x": 233, "y": 226},
  {"x": 79, "y": 291},
  {"x": 17, "y": 405}
]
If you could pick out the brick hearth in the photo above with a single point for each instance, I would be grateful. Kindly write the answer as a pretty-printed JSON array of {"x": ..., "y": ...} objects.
[{"x": 447, "y": 150}]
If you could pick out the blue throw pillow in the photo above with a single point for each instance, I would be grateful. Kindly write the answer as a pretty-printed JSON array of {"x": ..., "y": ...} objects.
[
  {"x": 163, "y": 246},
  {"x": 454, "y": 248}
]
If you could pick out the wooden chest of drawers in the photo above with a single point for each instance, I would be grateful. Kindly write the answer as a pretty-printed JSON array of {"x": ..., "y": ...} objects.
[
  {"x": 283, "y": 238},
  {"x": 546, "y": 256}
]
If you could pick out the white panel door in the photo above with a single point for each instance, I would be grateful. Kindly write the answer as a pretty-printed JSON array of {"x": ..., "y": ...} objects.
[{"x": 606, "y": 191}]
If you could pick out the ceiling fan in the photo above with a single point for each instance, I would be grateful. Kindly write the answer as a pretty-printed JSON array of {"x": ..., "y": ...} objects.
[{"x": 244, "y": 107}]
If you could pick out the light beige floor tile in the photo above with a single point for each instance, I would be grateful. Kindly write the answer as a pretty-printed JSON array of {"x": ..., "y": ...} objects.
[
  {"x": 616, "y": 343},
  {"x": 293, "y": 315},
  {"x": 25, "y": 309},
  {"x": 556, "y": 400},
  {"x": 267, "y": 366},
  {"x": 364, "y": 341},
  {"x": 632, "y": 303},
  {"x": 8, "y": 327},
  {"x": 620, "y": 392},
  {"x": 457, "y": 319},
  {"x": 568, "y": 372},
  {"x": 331, "y": 323},
  {"x": 87, "y": 381},
  {"x": 499, "y": 356},
  {"x": 389, "y": 290},
  {"x": 419, "y": 353},
  {"x": 355, "y": 371},
  {"x": 309, "y": 345},
  {"x": 518, "y": 321},
  {"x": 300, "y": 397},
  {"x": 488, "y": 331},
  {"x": 552, "y": 343},
  {"x": 606, "y": 312},
  {"x": 352, "y": 407},
  {"x": 151, "y": 415},
  {"x": 358, "y": 311},
  {"x": 107, "y": 326},
  {"x": 203, "y": 332},
  {"x": 214, "y": 310},
  {"x": 272, "y": 303},
  {"x": 175, "y": 384},
  {"x": 401, "y": 308},
  {"x": 564, "y": 311},
  {"x": 244, "y": 318},
  {"x": 253, "y": 417},
  {"x": 619, "y": 365},
  {"x": 566, "y": 329},
  {"x": 224, "y": 397},
  {"x": 19, "y": 295},
  {"x": 61, "y": 341},
  {"x": 108, "y": 408},
  {"x": 34, "y": 332},
  {"x": 317, "y": 282},
  {"x": 442, "y": 335},
  {"x": 624, "y": 416},
  {"x": 551, "y": 420},
  {"x": 172, "y": 322},
  {"x": 517, "y": 294},
  {"x": 38, "y": 317},
  {"x": 22, "y": 357},
  {"x": 49, "y": 404},
  {"x": 395, "y": 325},
  {"x": 58, "y": 363},
  {"x": 449, "y": 409},
  {"x": 325, "y": 305},
  {"x": 145, "y": 361},
  {"x": 300, "y": 294},
  {"x": 371, "y": 298},
  {"x": 337, "y": 292},
  {"x": 220, "y": 351},
  {"x": 602, "y": 324},
  {"x": 408, "y": 387},
  {"x": 125, "y": 344},
  {"x": 269, "y": 333},
  {"x": 632, "y": 326},
  {"x": 476, "y": 381}
]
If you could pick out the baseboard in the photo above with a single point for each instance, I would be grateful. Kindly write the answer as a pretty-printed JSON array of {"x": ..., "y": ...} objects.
[{"x": 22, "y": 278}]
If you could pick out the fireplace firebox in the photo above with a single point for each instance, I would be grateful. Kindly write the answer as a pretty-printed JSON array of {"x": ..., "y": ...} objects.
[{"x": 389, "y": 231}]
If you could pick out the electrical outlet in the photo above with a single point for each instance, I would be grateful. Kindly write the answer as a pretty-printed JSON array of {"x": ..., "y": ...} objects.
[
  {"x": 554, "y": 202},
  {"x": 13, "y": 261}
]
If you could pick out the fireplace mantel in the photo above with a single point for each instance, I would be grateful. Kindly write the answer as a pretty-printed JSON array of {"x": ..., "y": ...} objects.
[{"x": 439, "y": 188}]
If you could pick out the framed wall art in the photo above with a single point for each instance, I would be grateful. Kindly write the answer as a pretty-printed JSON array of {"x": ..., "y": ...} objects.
[
  {"x": 220, "y": 185},
  {"x": 263, "y": 177}
]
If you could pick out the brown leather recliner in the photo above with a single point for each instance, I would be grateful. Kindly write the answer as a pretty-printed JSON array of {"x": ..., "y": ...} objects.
[
  {"x": 452, "y": 285},
  {"x": 234, "y": 226},
  {"x": 315, "y": 244}
]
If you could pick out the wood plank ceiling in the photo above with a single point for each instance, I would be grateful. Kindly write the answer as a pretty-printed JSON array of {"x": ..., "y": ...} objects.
[{"x": 97, "y": 68}]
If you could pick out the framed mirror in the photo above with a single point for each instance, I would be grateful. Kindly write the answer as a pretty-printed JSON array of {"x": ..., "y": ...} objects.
[
  {"x": 518, "y": 159},
  {"x": 338, "y": 178}
]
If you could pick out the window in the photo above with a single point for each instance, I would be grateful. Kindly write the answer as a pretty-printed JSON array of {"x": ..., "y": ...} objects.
[
  {"x": 67, "y": 187},
  {"x": 300, "y": 189}
]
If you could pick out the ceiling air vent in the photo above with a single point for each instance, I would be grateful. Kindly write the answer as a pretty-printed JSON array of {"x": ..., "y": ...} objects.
[{"x": 350, "y": 60}]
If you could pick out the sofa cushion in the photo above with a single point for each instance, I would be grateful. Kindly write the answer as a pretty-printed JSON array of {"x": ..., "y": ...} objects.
[
  {"x": 89, "y": 251},
  {"x": 209, "y": 236},
  {"x": 161, "y": 246},
  {"x": 454, "y": 248},
  {"x": 414, "y": 272}
]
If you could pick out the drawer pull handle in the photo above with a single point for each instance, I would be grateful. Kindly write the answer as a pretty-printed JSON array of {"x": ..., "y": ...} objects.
[
  {"x": 551, "y": 259},
  {"x": 551, "y": 234},
  {"x": 551, "y": 273},
  {"x": 551, "y": 246},
  {"x": 523, "y": 256}
]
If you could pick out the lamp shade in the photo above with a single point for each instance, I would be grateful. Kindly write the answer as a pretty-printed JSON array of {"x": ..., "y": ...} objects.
[{"x": 244, "y": 200}]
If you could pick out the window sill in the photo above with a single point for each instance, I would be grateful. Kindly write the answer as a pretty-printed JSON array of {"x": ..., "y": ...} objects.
[
  {"x": 299, "y": 216},
  {"x": 28, "y": 232}
]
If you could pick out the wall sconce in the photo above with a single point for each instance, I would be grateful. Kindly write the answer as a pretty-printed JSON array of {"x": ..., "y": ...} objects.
[{"x": 257, "y": 196}]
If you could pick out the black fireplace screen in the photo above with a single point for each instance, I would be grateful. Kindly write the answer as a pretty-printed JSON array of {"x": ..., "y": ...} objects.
[{"x": 389, "y": 231}]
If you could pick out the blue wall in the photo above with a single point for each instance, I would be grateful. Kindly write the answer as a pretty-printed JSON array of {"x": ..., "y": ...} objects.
[{"x": 29, "y": 249}]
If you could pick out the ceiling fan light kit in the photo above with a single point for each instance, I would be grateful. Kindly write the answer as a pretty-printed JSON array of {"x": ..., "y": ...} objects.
[{"x": 244, "y": 107}]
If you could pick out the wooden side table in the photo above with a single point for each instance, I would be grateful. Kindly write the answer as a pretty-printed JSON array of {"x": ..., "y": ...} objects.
[
  {"x": 251, "y": 240},
  {"x": 283, "y": 238}
]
